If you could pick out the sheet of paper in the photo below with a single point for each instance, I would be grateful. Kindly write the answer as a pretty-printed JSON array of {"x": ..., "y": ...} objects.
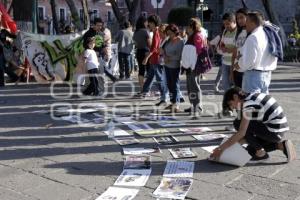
[
  {"x": 182, "y": 153},
  {"x": 173, "y": 188},
  {"x": 209, "y": 137},
  {"x": 118, "y": 132},
  {"x": 171, "y": 124},
  {"x": 179, "y": 169},
  {"x": 196, "y": 130},
  {"x": 137, "y": 162},
  {"x": 166, "y": 140},
  {"x": 152, "y": 132},
  {"x": 126, "y": 140},
  {"x": 117, "y": 193},
  {"x": 136, "y": 178},
  {"x": 139, "y": 151}
]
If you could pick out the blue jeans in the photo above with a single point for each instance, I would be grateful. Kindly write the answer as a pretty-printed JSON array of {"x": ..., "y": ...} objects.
[
  {"x": 226, "y": 83},
  {"x": 125, "y": 63},
  {"x": 256, "y": 81},
  {"x": 157, "y": 72},
  {"x": 172, "y": 76}
]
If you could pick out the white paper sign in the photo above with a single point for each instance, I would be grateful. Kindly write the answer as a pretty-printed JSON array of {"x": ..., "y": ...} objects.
[
  {"x": 135, "y": 178},
  {"x": 179, "y": 169},
  {"x": 117, "y": 193}
]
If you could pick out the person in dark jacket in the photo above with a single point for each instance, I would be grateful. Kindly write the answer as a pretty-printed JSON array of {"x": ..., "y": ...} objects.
[{"x": 100, "y": 45}]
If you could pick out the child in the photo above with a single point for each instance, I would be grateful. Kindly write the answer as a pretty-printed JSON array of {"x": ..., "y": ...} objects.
[
  {"x": 91, "y": 62},
  {"x": 262, "y": 126}
]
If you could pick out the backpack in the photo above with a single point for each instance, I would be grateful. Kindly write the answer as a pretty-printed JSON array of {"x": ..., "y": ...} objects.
[{"x": 203, "y": 64}]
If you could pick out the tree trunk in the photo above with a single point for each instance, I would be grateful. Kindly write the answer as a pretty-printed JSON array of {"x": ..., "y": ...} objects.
[
  {"x": 116, "y": 11},
  {"x": 274, "y": 19},
  {"x": 86, "y": 17},
  {"x": 54, "y": 16},
  {"x": 244, "y": 3},
  {"x": 133, "y": 10},
  {"x": 74, "y": 14}
]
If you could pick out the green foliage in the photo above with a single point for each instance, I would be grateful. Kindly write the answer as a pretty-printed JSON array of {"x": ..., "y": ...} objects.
[{"x": 180, "y": 16}]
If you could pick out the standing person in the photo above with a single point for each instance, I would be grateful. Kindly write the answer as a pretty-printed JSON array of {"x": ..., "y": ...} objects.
[
  {"x": 236, "y": 75},
  {"x": 92, "y": 63},
  {"x": 227, "y": 47},
  {"x": 263, "y": 132},
  {"x": 155, "y": 69},
  {"x": 172, "y": 50},
  {"x": 142, "y": 41},
  {"x": 192, "y": 79},
  {"x": 125, "y": 47},
  {"x": 102, "y": 46},
  {"x": 255, "y": 59},
  {"x": 215, "y": 43}
]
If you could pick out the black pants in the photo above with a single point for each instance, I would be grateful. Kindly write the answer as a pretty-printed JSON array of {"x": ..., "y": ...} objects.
[
  {"x": 140, "y": 56},
  {"x": 124, "y": 65},
  {"x": 172, "y": 76},
  {"x": 93, "y": 87},
  {"x": 2, "y": 81},
  {"x": 238, "y": 78},
  {"x": 258, "y": 136}
]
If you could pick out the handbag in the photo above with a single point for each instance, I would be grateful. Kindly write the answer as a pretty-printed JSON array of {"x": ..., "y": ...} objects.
[{"x": 203, "y": 64}]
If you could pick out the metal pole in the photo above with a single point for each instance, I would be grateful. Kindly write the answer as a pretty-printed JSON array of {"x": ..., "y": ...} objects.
[{"x": 34, "y": 16}]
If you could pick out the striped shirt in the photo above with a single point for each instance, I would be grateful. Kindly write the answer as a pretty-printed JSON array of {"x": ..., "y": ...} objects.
[{"x": 264, "y": 108}]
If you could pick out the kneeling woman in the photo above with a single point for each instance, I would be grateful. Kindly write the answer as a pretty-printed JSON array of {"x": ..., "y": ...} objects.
[{"x": 262, "y": 125}]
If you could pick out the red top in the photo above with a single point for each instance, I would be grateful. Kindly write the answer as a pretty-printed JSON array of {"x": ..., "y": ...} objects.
[
  {"x": 199, "y": 42},
  {"x": 154, "y": 59}
]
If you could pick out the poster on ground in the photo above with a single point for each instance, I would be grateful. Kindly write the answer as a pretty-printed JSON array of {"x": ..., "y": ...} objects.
[
  {"x": 173, "y": 188},
  {"x": 135, "y": 178},
  {"x": 117, "y": 193},
  {"x": 179, "y": 169}
]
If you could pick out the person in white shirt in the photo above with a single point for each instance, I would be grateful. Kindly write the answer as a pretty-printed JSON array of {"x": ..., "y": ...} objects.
[
  {"x": 92, "y": 63},
  {"x": 255, "y": 59}
]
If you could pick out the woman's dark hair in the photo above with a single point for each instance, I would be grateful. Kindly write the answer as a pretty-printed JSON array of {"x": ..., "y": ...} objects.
[
  {"x": 126, "y": 24},
  {"x": 245, "y": 12},
  {"x": 154, "y": 19},
  {"x": 229, "y": 16},
  {"x": 88, "y": 41},
  {"x": 228, "y": 96},
  {"x": 98, "y": 20},
  {"x": 140, "y": 23},
  {"x": 173, "y": 28}
]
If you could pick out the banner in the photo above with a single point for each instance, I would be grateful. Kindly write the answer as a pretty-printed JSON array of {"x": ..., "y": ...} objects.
[
  {"x": 52, "y": 57},
  {"x": 59, "y": 57}
]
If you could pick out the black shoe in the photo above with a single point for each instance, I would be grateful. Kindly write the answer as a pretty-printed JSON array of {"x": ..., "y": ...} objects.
[
  {"x": 256, "y": 159},
  {"x": 189, "y": 110},
  {"x": 198, "y": 109},
  {"x": 289, "y": 150},
  {"x": 161, "y": 103}
]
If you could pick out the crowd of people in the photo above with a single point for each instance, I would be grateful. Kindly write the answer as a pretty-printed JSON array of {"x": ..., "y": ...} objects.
[{"x": 246, "y": 51}]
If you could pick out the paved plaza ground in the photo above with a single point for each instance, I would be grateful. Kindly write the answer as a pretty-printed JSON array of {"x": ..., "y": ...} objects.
[{"x": 47, "y": 159}]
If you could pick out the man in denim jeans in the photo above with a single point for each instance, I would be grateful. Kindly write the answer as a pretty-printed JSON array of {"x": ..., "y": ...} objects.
[
  {"x": 227, "y": 46},
  {"x": 256, "y": 60},
  {"x": 155, "y": 69}
]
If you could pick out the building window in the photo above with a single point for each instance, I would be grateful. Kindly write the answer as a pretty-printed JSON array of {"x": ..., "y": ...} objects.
[
  {"x": 145, "y": 14},
  {"x": 41, "y": 13},
  {"x": 62, "y": 14},
  {"x": 95, "y": 13},
  {"x": 81, "y": 14},
  {"x": 109, "y": 16}
]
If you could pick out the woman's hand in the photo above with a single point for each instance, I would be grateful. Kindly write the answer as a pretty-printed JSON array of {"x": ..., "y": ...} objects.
[{"x": 216, "y": 154}]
